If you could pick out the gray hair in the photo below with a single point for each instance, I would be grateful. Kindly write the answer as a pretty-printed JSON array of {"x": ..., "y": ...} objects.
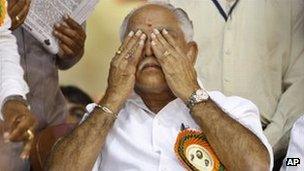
[{"x": 183, "y": 18}]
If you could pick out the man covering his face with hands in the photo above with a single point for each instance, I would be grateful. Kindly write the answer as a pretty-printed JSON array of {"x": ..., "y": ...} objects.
[{"x": 155, "y": 114}]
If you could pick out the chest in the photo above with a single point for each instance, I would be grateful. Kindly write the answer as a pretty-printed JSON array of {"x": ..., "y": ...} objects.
[{"x": 142, "y": 142}]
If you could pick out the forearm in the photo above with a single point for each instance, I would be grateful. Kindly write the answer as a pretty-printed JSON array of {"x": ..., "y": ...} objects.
[
  {"x": 229, "y": 138},
  {"x": 80, "y": 149}
]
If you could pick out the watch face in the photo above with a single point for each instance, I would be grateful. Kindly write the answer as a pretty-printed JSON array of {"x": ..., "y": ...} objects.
[{"x": 201, "y": 95}]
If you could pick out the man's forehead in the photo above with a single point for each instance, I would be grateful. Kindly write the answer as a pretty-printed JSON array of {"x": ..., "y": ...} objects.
[{"x": 153, "y": 16}]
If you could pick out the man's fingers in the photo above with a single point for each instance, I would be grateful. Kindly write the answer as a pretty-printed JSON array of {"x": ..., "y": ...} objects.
[
  {"x": 129, "y": 48},
  {"x": 171, "y": 41},
  {"x": 11, "y": 4},
  {"x": 118, "y": 53},
  {"x": 131, "y": 44},
  {"x": 67, "y": 41},
  {"x": 26, "y": 149},
  {"x": 161, "y": 39},
  {"x": 19, "y": 133},
  {"x": 24, "y": 11},
  {"x": 72, "y": 23},
  {"x": 16, "y": 7},
  {"x": 157, "y": 49},
  {"x": 70, "y": 33},
  {"x": 65, "y": 50},
  {"x": 126, "y": 40},
  {"x": 139, "y": 49}
]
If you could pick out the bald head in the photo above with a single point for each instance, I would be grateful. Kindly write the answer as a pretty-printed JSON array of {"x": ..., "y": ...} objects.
[{"x": 161, "y": 13}]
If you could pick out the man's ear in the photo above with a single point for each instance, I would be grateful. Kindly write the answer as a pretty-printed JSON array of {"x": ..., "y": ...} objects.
[{"x": 192, "y": 51}]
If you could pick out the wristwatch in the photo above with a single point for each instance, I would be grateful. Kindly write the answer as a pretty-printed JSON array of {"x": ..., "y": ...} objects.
[{"x": 197, "y": 97}]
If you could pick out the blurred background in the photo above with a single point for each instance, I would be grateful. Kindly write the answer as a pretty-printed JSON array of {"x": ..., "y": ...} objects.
[{"x": 91, "y": 73}]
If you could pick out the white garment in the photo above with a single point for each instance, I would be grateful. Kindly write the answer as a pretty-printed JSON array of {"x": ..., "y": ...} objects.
[
  {"x": 11, "y": 73},
  {"x": 258, "y": 54},
  {"x": 141, "y": 140},
  {"x": 296, "y": 146}
]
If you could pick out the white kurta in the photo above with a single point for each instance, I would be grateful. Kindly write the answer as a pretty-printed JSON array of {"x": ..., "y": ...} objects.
[
  {"x": 11, "y": 72},
  {"x": 142, "y": 140}
]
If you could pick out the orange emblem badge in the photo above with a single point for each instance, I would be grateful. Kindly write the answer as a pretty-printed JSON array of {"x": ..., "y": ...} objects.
[{"x": 195, "y": 153}]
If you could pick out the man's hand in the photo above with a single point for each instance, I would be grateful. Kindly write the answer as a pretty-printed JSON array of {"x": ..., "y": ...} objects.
[
  {"x": 121, "y": 78},
  {"x": 18, "y": 10},
  {"x": 71, "y": 38},
  {"x": 178, "y": 68},
  {"x": 19, "y": 120}
]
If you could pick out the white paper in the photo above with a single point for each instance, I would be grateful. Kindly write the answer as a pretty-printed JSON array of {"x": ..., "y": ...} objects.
[{"x": 44, "y": 14}]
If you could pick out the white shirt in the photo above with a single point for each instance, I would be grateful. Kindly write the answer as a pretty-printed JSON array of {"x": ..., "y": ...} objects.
[
  {"x": 296, "y": 146},
  {"x": 11, "y": 73},
  {"x": 141, "y": 140},
  {"x": 258, "y": 54},
  {"x": 226, "y": 5}
]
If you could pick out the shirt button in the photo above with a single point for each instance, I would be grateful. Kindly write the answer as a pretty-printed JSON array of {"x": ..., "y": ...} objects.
[
  {"x": 158, "y": 122},
  {"x": 226, "y": 80},
  {"x": 227, "y": 52}
]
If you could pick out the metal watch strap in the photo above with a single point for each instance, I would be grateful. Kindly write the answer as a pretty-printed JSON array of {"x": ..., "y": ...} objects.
[
  {"x": 197, "y": 97},
  {"x": 191, "y": 101}
]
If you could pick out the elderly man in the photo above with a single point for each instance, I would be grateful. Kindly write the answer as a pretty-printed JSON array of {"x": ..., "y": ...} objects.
[{"x": 169, "y": 121}]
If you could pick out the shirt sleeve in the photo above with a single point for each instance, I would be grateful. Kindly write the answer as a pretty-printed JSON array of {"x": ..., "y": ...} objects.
[
  {"x": 290, "y": 106},
  {"x": 244, "y": 112},
  {"x": 11, "y": 73}
]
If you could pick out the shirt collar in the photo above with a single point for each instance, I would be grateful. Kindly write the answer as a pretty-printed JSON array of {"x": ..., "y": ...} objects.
[{"x": 174, "y": 113}]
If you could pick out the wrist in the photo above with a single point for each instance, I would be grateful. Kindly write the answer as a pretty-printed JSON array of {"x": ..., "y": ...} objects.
[
  {"x": 13, "y": 107},
  {"x": 188, "y": 93},
  {"x": 198, "y": 96},
  {"x": 113, "y": 101},
  {"x": 12, "y": 100}
]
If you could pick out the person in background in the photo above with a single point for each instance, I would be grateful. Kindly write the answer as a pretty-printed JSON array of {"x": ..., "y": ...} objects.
[
  {"x": 295, "y": 148},
  {"x": 45, "y": 99},
  {"x": 77, "y": 100},
  {"x": 255, "y": 50},
  {"x": 15, "y": 112}
]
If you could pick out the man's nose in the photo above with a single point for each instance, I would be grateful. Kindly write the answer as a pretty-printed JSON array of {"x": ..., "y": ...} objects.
[{"x": 148, "y": 48}]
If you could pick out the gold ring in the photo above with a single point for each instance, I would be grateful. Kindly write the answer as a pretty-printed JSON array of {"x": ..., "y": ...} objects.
[
  {"x": 17, "y": 18},
  {"x": 30, "y": 134},
  {"x": 131, "y": 52},
  {"x": 166, "y": 53},
  {"x": 119, "y": 51}
]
